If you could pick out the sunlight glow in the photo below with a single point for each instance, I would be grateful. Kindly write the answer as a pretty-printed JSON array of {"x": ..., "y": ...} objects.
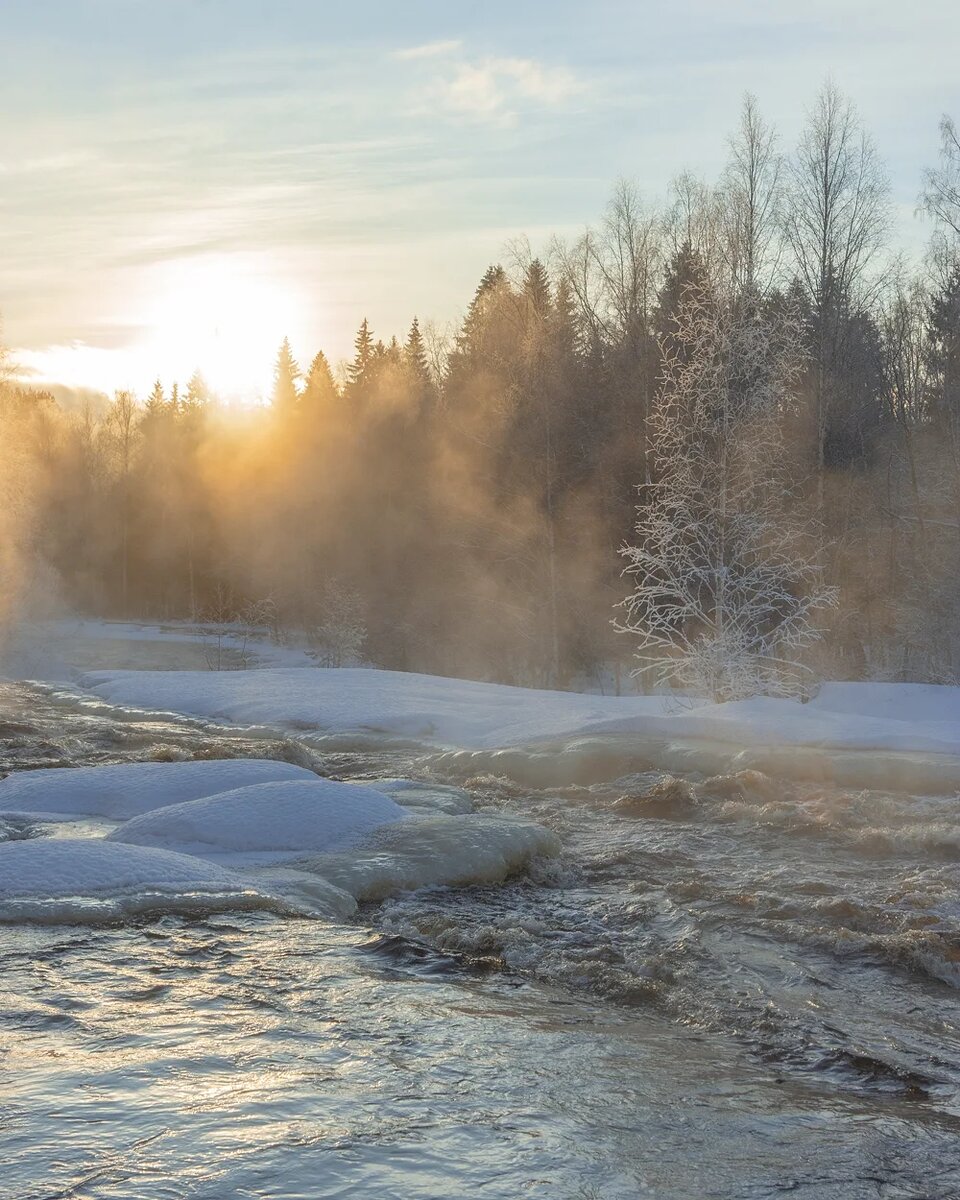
[{"x": 224, "y": 315}]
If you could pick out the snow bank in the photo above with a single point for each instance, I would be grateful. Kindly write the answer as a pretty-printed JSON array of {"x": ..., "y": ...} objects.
[
  {"x": 860, "y": 734},
  {"x": 864, "y": 720},
  {"x": 90, "y": 880},
  {"x": 128, "y": 789},
  {"x": 352, "y": 700},
  {"x": 292, "y": 816}
]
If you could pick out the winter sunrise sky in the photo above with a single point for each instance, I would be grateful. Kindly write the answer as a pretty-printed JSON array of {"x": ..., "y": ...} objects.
[{"x": 182, "y": 182}]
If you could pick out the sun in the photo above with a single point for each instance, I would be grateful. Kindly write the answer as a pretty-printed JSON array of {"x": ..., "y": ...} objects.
[{"x": 224, "y": 315}]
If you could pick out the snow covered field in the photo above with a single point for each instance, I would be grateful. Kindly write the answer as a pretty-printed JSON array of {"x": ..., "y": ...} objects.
[{"x": 121, "y": 838}]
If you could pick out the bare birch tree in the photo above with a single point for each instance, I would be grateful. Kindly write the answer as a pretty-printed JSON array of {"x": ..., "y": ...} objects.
[
  {"x": 751, "y": 196},
  {"x": 836, "y": 224},
  {"x": 941, "y": 193}
]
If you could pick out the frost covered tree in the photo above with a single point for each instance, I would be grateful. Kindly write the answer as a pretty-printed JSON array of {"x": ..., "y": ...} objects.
[
  {"x": 726, "y": 566},
  {"x": 337, "y": 637}
]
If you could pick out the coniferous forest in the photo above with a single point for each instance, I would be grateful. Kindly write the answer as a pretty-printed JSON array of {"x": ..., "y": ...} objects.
[{"x": 736, "y": 410}]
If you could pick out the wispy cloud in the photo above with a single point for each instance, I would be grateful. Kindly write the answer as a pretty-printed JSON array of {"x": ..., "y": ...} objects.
[
  {"x": 428, "y": 50},
  {"x": 496, "y": 89}
]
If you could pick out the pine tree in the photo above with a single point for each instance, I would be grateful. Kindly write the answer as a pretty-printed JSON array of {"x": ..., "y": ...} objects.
[
  {"x": 536, "y": 291},
  {"x": 944, "y": 357},
  {"x": 156, "y": 402},
  {"x": 285, "y": 375},
  {"x": 416, "y": 354},
  {"x": 319, "y": 388},
  {"x": 490, "y": 292},
  {"x": 417, "y": 367},
  {"x": 198, "y": 394},
  {"x": 359, "y": 370},
  {"x": 686, "y": 276}
]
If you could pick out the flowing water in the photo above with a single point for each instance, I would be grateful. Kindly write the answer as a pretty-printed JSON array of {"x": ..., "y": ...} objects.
[{"x": 722, "y": 987}]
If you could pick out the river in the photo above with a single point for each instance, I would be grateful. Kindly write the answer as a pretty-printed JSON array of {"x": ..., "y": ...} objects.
[{"x": 726, "y": 987}]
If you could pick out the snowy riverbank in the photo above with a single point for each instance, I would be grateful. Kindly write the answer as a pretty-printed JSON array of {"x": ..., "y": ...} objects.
[
  {"x": 460, "y": 714},
  {"x": 900, "y": 735}
]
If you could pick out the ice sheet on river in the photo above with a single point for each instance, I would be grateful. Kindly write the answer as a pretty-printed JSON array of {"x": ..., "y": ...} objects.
[
  {"x": 122, "y": 790},
  {"x": 916, "y": 718}
]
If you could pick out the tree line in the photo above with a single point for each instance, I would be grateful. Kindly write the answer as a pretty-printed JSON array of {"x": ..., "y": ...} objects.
[{"x": 741, "y": 396}]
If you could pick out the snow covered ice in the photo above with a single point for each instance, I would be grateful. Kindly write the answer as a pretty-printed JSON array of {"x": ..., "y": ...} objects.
[
  {"x": 289, "y": 816},
  {"x": 183, "y": 836},
  {"x": 57, "y": 881},
  {"x": 121, "y": 790}
]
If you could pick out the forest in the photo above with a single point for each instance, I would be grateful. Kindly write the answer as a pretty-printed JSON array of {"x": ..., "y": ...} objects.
[{"x": 715, "y": 437}]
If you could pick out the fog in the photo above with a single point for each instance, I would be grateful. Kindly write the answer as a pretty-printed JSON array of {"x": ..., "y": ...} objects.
[{"x": 457, "y": 503}]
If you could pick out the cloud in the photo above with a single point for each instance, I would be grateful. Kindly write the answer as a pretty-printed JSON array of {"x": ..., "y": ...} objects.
[
  {"x": 428, "y": 50},
  {"x": 494, "y": 89}
]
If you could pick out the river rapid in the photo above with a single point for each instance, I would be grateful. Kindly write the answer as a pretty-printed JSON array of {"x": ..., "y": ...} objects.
[{"x": 729, "y": 986}]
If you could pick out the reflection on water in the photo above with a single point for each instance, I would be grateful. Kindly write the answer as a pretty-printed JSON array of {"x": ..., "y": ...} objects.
[{"x": 723, "y": 988}]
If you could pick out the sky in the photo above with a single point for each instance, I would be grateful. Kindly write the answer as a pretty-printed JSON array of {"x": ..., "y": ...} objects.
[{"x": 185, "y": 182}]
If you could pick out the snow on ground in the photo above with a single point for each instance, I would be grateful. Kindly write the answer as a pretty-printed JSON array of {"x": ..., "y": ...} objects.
[
  {"x": 125, "y": 790},
  {"x": 291, "y": 816},
  {"x": 484, "y": 716},
  {"x": 427, "y": 708},
  {"x": 295, "y": 842}
]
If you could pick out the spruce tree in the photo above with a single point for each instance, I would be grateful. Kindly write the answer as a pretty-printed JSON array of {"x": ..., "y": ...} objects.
[
  {"x": 198, "y": 394},
  {"x": 319, "y": 388},
  {"x": 359, "y": 370},
  {"x": 156, "y": 401},
  {"x": 285, "y": 375}
]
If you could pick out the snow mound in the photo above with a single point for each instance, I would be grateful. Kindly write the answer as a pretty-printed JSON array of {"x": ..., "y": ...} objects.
[
  {"x": 59, "y": 881},
  {"x": 434, "y": 850},
  {"x": 126, "y": 790},
  {"x": 290, "y": 816}
]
